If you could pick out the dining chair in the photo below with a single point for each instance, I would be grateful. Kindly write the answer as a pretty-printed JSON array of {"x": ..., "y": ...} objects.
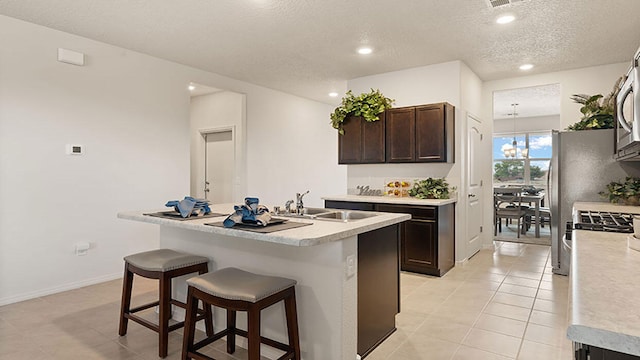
[{"x": 509, "y": 206}]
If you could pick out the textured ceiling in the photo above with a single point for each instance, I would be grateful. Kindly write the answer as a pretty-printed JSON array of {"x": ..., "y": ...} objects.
[{"x": 307, "y": 47}]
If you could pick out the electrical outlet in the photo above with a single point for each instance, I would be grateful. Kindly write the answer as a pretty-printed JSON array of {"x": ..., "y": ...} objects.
[{"x": 351, "y": 265}]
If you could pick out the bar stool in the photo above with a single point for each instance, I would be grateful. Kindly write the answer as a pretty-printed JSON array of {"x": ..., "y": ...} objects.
[
  {"x": 164, "y": 265},
  {"x": 237, "y": 290}
]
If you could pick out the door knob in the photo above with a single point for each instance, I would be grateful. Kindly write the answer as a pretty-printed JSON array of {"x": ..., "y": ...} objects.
[{"x": 471, "y": 195}]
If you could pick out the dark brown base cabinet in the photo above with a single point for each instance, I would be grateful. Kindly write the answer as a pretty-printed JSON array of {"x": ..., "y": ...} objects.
[
  {"x": 427, "y": 241},
  {"x": 588, "y": 352},
  {"x": 378, "y": 286}
]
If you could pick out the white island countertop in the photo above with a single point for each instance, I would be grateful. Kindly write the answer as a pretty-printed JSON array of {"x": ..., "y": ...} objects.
[
  {"x": 391, "y": 200},
  {"x": 604, "y": 297},
  {"x": 319, "y": 232}
]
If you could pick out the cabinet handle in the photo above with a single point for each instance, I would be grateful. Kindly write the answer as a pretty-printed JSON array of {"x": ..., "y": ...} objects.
[{"x": 471, "y": 195}]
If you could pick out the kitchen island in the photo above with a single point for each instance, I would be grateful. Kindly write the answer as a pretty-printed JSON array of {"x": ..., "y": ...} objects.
[
  {"x": 604, "y": 296},
  {"x": 318, "y": 256}
]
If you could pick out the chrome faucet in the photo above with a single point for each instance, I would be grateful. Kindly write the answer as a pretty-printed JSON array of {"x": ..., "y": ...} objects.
[
  {"x": 287, "y": 206},
  {"x": 299, "y": 204}
]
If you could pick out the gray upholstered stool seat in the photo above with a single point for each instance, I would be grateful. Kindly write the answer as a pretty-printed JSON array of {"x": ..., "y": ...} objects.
[
  {"x": 236, "y": 284},
  {"x": 164, "y": 260},
  {"x": 237, "y": 290},
  {"x": 163, "y": 265}
]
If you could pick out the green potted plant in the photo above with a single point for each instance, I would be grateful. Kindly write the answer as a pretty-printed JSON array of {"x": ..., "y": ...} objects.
[
  {"x": 627, "y": 192},
  {"x": 431, "y": 189},
  {"x": 597, "y": 110},
  {"x": 368, "y": 105}
]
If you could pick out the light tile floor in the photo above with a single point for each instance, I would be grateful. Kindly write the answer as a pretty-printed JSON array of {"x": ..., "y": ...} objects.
[{"x": 502, "y": 304}]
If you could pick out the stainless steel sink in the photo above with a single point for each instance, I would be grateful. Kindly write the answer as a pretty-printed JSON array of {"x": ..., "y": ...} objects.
[
  {"x": 345, "y": 215},
  {"x": 315, "y": 211},
  {"x": 331, "y": 214}
]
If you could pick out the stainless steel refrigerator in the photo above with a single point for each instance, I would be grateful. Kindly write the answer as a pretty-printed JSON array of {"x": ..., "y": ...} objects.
[{"x": 582, "y": 164}]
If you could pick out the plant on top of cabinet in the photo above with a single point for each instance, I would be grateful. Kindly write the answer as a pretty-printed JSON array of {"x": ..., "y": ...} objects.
[
  {"x": 431, "y": 189},
  {"x": 597, "y": 110},
  {"x": 368, "y": 105}
]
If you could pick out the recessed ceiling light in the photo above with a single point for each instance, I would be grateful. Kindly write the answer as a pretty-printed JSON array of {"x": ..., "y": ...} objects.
[
  {"x": 191, "y": 87},
  {"x": 526, "y": 67},
  {"x": 333, "y": 94},
  {"x": 505, "y": 19},
  {"x": 365, "y": 51}
]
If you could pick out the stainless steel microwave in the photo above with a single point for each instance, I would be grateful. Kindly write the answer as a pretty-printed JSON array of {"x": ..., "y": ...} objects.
[{"x": 628, "y": 114}]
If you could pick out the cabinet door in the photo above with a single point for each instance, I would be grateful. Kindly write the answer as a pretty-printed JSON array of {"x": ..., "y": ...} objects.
[
  {"x": 400, "y": 130},
  {"x": 350, "y": 144},
  {"x": 373, "y": 140},
  {"x": 430, "y": 133},
  {"x": 419, "y": 250}
]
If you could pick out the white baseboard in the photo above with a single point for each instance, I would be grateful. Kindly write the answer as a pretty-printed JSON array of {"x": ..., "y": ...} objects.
[{"x": 57, "y": 289}]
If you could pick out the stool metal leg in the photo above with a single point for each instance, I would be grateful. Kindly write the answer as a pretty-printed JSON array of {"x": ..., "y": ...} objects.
[
  {"x": 125, "y": 306},
  {"x": 231, "y": 328},
  {"x": 165, "y": 314},
  {"x": 292, "y": 323}
]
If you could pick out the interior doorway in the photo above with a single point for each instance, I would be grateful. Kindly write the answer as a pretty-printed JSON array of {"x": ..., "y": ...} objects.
[
  {"x": 218, "y": 137},
  {"x": 522, "y": 122},
  {"x": 219, "y": 160}
]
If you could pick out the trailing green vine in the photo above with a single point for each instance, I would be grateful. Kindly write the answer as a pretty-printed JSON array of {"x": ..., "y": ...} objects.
[{"x": 368, "y": 105}]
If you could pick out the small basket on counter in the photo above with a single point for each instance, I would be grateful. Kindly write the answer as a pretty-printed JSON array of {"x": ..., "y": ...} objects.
[{"x": 397, "y": 188}]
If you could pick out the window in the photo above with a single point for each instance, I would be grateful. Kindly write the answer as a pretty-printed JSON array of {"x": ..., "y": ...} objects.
[{"x": 522, "y": 170}]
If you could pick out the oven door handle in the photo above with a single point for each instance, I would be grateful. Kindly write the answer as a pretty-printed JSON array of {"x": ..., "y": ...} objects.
[{"x": 566, "y": 243}]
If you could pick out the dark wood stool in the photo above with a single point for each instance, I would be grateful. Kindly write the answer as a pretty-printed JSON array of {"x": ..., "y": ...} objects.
[
  {"x": 237, "y": 290},
  {"x": 164, "y": 265}
]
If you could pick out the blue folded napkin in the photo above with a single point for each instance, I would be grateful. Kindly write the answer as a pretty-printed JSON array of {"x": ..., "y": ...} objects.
[
  {"x": 249, "y": 213},
  {"x": 190, "y": 206}
]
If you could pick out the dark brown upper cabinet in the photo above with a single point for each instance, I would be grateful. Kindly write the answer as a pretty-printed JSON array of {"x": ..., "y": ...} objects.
[
  {"x": 401, "y": 125},
  {"x": 362, "y": 142},
  {"x": 422, "y": 133}
]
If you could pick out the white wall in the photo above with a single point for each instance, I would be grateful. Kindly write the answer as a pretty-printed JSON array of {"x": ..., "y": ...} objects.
[
  {"x": 416, "y": 86},
  {"x": 527, "y": 124},
  {"x": 451, "y": 82},
  {"x": 131, "y": 111},
  {"x": 471, "y": 104},
  {"x": 590, "y": 80},
  {"x": 218, "y": 110},
  {"x": 293, "y": 152}
]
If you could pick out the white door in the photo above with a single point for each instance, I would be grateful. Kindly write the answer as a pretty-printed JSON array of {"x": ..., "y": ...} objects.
[
  {"x": 219, "y": 166},
  {"x": 474, "y": 187}
]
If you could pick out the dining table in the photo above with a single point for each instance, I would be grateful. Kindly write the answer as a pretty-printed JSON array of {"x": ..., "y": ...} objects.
[{"x": 536, "y": 199}]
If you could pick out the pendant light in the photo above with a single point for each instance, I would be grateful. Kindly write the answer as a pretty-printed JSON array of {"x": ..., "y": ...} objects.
[{"x": 513, "y": 152}]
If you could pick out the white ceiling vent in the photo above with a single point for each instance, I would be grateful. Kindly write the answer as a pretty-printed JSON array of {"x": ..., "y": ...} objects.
[{"x": 498, "y": 3}]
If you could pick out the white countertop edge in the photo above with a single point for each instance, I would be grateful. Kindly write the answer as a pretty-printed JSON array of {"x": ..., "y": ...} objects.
[
  {"x": 391, "y": 200},
  {"x": 623, "y": 343},
  {"x": 331, "y": 231}
]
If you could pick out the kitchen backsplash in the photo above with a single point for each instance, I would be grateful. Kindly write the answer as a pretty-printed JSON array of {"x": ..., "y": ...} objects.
[{"x": 377, "y": 177}]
